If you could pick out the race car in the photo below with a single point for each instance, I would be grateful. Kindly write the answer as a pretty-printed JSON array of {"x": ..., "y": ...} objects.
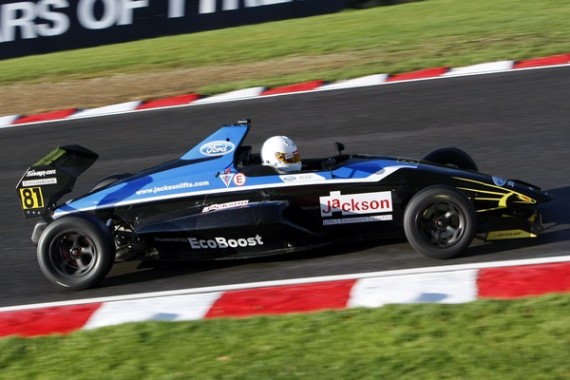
[{"x": 219, "y": 202}]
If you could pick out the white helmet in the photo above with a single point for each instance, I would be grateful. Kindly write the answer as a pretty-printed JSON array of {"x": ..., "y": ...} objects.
[{"x": 281, "y": 153}]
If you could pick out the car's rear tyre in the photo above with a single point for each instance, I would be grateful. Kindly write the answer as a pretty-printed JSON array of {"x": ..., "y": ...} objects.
[
  {"x": 76, "y": 251},
  {"x": 453, "y": 157},
  {"x": 440, "y": 222},
  {"x": 109, "y": 180}
]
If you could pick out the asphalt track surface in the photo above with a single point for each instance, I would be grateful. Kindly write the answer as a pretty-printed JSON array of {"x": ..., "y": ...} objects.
[{"x": 514, "y": 124}]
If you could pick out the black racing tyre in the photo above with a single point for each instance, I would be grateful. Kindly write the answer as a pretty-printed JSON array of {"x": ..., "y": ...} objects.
[
  {"x": 76, "y": 251},
  {"x": 440, "y": 222},
  {"x": 109, "y": 180},
  {"x": 453, "y": 157}
]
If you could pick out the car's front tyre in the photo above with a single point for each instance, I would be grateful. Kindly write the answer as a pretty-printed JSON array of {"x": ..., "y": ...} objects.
[
  {"x": 76, "y": 251},
  {"x": 453, "y": 157},
  {"x": 440, "y": 222}
]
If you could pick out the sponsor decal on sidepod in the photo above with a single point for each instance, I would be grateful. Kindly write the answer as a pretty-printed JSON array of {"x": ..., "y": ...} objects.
[
  {"x": 355, "y": 204},
  {"x": 222, "y": 242},
  {"x": 224, "y": 206}
]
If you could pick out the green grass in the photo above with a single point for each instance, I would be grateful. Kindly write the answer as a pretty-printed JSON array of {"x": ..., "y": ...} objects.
[
  {"x": 379, "y": 40},
  {"x": 523, "y": 339}
]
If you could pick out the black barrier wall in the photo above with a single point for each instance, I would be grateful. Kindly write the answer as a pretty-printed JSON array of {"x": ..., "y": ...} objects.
[{"x": 45, "y": 26}]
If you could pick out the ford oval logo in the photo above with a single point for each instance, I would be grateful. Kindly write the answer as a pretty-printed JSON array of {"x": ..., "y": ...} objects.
[{"x": 217, "y": 148}]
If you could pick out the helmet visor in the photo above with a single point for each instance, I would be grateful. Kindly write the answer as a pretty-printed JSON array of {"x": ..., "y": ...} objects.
[{"x": 288, "y": 158}]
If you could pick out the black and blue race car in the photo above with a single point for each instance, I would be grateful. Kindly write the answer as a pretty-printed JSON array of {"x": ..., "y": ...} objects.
[{"x": 218, "y": 202}]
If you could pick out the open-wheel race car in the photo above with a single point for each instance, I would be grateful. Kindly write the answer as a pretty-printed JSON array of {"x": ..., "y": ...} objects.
[{"x": 218, "y": 201}]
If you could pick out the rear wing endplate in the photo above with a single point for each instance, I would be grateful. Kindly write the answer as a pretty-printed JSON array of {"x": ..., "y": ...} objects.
[{"x": 46, "y": 181}]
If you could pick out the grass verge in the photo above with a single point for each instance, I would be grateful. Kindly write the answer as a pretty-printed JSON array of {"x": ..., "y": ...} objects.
[
  {"x": 331, "y": 47},
  {"x": 522, "y": 339}
]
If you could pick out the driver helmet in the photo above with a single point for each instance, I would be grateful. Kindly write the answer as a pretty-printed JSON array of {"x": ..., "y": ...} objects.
[{"x": 281, "y": 153}]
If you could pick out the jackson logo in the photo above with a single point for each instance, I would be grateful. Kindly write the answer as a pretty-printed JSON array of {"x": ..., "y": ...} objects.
[
  {"x": 354, "y": 204},
  {"x": 217, "y": 148}
]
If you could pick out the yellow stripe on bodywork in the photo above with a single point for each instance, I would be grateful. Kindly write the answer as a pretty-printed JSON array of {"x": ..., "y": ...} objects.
[{"x": 503, "y": 195}]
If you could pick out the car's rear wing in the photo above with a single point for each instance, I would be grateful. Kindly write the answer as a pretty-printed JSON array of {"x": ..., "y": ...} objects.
[{"x": 45, "y": 182}]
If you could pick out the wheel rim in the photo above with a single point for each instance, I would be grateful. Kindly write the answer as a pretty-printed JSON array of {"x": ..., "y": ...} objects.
[
  {"x": 73, "y": 254},
  {"x": 442, "y": 224}
]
